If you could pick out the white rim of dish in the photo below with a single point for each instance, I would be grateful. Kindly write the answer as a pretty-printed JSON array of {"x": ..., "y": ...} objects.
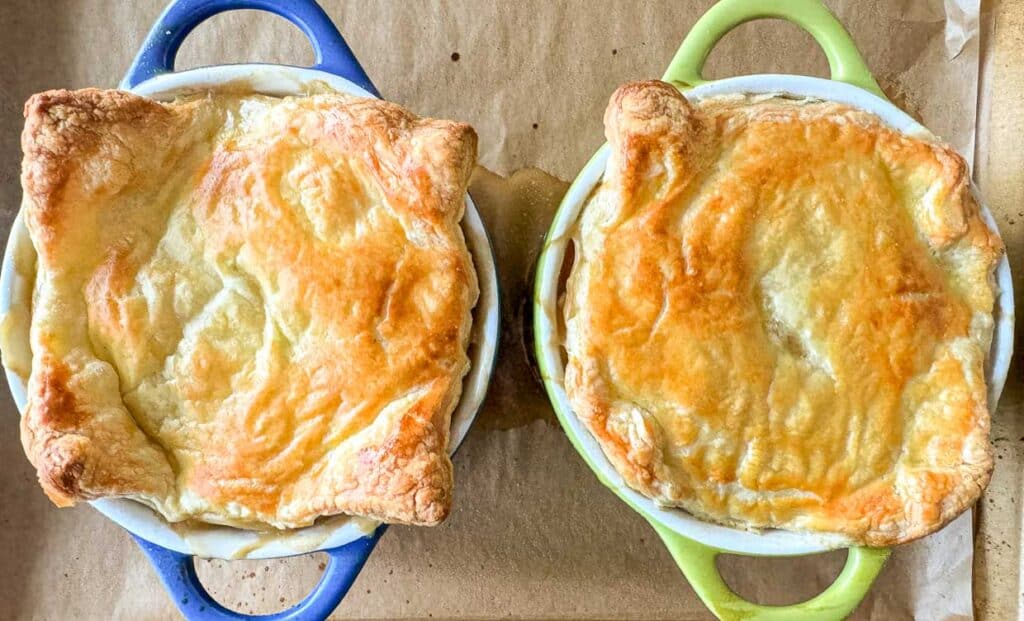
[
  {"x": 769, "y": 542},
  {"x": 224, "y": 541}
]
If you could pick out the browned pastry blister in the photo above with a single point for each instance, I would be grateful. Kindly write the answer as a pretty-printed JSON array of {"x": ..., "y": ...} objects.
[
  {"x": 779, "y": 316},
  {"x": 247, "y": 310}
]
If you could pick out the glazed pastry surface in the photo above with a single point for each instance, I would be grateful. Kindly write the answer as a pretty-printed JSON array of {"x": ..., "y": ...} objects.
[
  {"x": 779, "y": 315},
  {"x": 248, "y": 310}
]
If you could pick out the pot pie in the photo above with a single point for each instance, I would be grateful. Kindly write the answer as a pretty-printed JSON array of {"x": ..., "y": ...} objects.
[
  {"x": 248, "y": 310},
  {"x": 779, "y": 314}
]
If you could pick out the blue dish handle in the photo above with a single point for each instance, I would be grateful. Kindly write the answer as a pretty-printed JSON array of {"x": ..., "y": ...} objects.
[
  {"x": 180, "y": 17},
  {"x": 178, "y": 573}
]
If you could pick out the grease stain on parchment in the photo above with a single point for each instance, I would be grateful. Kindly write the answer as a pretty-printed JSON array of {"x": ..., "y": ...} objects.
[{"x": 517, "y": 211}]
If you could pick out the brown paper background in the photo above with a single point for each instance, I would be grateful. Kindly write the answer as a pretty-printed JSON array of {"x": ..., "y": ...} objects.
[{"x": 533, "y": 534}]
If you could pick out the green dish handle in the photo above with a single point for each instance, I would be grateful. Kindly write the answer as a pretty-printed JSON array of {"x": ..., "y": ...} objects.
[
  {"x": 844, "y": 60},
  {"x": 697, "y": 561}
]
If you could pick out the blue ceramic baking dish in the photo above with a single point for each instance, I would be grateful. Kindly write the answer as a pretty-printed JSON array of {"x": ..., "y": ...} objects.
[{"x": 347, "y": 541}]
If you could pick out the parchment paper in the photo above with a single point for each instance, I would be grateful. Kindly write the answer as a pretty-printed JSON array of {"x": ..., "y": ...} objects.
[
  {"x": 533, "y": 534},
  {"x": 999, "y": 172}
]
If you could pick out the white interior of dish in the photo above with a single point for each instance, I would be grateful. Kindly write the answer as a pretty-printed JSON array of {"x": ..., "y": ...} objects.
[
  {"x": 224, "y": 541},
  {"x": 769, "y": 542}
]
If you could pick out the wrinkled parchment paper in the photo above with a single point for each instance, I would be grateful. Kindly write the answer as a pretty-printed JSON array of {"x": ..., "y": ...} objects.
[{"x": 533, "y": 534}]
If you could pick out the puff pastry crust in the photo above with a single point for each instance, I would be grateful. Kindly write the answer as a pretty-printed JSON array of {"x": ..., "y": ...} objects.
[
  {"x": 779, "y": 315},
  {"x": 248, "y": 310}
]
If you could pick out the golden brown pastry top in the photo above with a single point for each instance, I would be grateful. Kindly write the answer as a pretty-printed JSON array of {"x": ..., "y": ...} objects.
[
  {"x": 248, "y": 310},
  {"x": 779, "y": 316}
]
